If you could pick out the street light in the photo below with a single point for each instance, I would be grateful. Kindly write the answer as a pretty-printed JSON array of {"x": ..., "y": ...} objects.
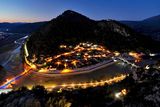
[
  {"x": 65, "y": 65},
  {"x": 58, "y": 63}
]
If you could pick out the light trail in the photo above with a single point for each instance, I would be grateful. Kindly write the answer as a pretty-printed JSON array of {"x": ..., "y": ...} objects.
[
  {"x": 88, "y": 84},
  {"x": 9, "y": 82}
]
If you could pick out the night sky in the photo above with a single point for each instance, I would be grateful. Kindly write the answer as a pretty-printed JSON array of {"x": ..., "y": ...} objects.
[{"x": 43, "y": 10}]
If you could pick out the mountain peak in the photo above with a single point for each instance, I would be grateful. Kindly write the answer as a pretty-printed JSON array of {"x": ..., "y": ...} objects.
[
  {"x": 154, "y": 18},
  {"x": 70, "y": 14}
]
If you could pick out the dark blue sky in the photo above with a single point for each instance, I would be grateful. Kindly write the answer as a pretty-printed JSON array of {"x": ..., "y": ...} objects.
[{"x": 41, "y": 10}]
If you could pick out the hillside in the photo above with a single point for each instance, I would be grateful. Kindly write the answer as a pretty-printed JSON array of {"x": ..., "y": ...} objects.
[
  {"x": 71, "y": 28},
  {"x": 149, "y": 26}
]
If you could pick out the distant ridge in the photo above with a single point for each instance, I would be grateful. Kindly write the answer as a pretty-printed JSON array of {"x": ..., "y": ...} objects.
[
  {"x": 149, "y": 26},
  {"x": 20, "y": 27}
]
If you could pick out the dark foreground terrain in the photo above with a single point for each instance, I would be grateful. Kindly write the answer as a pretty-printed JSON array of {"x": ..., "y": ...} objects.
[{"x": 142, "y": 91}]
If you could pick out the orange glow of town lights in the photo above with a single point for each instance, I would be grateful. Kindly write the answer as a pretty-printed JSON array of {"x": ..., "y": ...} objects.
[
  {"x": 74, "y": 62},
  {"x": 73, "y": 85},
  {"x": 116, "y": 53},
  {"x": 65, "y": 65},
  {"x": 33, "y": 66},
  {"x": 124, "y": 92},
  {"x": 58, "y": 63},
  {"x": 43, "y": 70},
  {"x": 137, "y": 56},
  {"x": 120, "y": 94},
  {"x": 48, "y": 59},
  {"x": 66, "y": 54},
  {"x": 66, "y": 71},
  {"x": 64, "y": 85}
]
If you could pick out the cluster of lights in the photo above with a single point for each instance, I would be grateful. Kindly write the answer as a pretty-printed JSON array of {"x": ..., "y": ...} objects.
[
  {"x": 137, "y": 56},
  {"x": 116, "y": 53},
  {"x": 88, "y": 84},
  {"x": 147, "y": 67},
  {"x": 67, "y": 63},
  {"x": 120, "y": 94}
]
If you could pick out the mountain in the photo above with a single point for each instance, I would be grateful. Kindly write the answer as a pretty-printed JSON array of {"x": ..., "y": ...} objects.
[
  {"x": 28, "y": 27},
  {"x": 9, "y": 25},
  {"x": 71, "y": 28},
  {"x": 149, "y": 26},
  {"x": 20, "y": 27}
]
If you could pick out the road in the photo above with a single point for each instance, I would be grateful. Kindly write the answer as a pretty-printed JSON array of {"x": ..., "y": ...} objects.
[
  {"x": 12, "y": 80},
  {"x": 129, "y": 63},
  {"x": 105, "y": 73}
]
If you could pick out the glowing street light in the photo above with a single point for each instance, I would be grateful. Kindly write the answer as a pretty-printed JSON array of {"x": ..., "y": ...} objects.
[
  {"x": 120, "y": 94},
  {"x": 66, "y": 71},
  {"x": 64, "y": 85},
  {"x": 58, "y": 63},
  {"x": 116, "y": 53},
  {"x": 147, "y": 67},
  {"x": 117, "y": 95},
  {"x": 73, "y": 85},
  {"x": 65, "y": 65},
  {"x": 74, "y": 62},
  {"x": 124, "y": 92}
]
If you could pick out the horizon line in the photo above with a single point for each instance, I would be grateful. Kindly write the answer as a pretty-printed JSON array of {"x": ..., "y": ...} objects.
[{"x": 29, "y": 21}]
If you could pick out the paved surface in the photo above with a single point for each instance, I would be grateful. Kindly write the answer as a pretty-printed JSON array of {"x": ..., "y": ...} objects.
[{"x": 108, "y": 72}]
